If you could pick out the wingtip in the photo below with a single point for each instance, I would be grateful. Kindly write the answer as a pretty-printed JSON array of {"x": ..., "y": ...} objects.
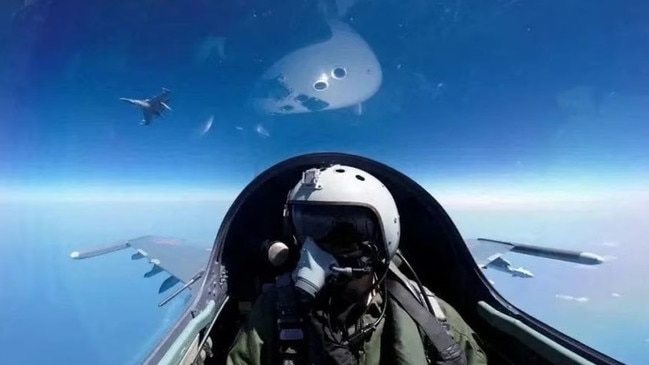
[
  {"x": 591, "y": 258},
  {"x": 74, "y": 255}
]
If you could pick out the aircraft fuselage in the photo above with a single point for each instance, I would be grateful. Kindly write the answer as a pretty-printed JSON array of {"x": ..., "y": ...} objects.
[{"x": 153, "y": 107}]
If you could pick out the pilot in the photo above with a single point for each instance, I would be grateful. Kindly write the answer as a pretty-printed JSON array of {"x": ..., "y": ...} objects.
[{"x": 340, "y": 304}]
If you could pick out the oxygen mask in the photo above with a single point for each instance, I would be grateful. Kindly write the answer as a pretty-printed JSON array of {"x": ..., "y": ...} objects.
[
  {"x": 336, "y": 245},
  {"x": 318, "y": 268}
]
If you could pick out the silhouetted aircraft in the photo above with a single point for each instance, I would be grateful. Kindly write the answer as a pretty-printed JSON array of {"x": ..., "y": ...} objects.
[
  {"x": 152, "y": 107},
  {"x": 226, "y": 281}
]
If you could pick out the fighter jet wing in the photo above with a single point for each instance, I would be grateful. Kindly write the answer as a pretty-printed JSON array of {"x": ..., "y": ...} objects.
[
  {"x": 183, "y": 262},
  {"x": 163, "y": 97},
  {"x": 485, "y": 251}
]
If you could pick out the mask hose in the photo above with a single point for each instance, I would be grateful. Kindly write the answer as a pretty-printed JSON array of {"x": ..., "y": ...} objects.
[
  {"x": 365, "y": 332},
  {"x": 350, "y": 271}
]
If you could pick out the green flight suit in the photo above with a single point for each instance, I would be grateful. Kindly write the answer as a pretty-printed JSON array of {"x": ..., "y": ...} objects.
[{"x": 396, "y": 340}]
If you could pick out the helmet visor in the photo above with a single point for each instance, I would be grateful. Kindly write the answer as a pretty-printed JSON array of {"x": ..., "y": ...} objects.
[{"x": 337, "y": 229}]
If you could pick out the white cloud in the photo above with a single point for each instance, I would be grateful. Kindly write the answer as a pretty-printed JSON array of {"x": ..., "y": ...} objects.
[
  {"x": 611, "y": 244},
  {"x": 507, "y": 201},
  {"x": 609, "y": 258},
  {"x": 617, "y": 295},
  {"x": 123, "y": 194},
  {"x": 571, "y": 298},
  {"x": 533, "y": 193}
]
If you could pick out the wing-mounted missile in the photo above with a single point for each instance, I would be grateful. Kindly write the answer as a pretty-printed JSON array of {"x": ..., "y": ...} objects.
[
  {"x": 185, "y": 263},
  {"x": 80, "y": 255},
  {"x": 521, "y": 272},
  {"x": 585, "y": 258},
  {"x": 501, "y": 264},
  {"x": 488, "y": 254}
]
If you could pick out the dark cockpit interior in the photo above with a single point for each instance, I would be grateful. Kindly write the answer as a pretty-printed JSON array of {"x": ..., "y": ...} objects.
[{"x": 429, "y": 241}]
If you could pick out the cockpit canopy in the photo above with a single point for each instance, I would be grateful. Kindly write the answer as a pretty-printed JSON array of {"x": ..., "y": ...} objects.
[{"x": 429, "y": 239}]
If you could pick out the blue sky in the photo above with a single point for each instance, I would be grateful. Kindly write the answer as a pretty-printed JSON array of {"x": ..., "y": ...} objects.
[
  {"x": 523, "y": 88},
  {"x": 511, "y": 107}
]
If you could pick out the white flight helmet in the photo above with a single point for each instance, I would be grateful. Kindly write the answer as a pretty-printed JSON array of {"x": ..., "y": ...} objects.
[{"x": 341, "y": 190}]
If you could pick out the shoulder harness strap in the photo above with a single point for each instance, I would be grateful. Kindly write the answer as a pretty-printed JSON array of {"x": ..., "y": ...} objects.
[
  {"x": 289, "y": 323},
  {"x": 447, "y": 349},
  {"x": 414, "y": 290},
  {"x": 434, "y": 303}
]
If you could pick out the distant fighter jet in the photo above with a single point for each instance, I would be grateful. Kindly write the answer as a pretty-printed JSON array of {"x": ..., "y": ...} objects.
[
  {"x": 225, "y": 280},
  {"x": 153, "y": 107}
]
